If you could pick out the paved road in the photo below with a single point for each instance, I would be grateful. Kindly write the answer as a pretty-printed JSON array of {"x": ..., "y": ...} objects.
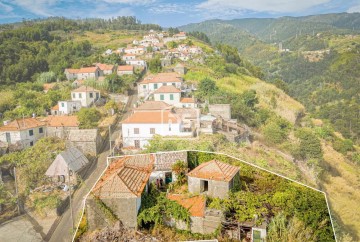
[{"x": 63, "y": 231}]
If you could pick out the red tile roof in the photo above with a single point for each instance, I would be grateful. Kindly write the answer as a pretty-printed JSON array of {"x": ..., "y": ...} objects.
[
  {"x": 48, "y": 86},
  {"x": 85, "y": 89},
  {"x": 62, "y": 121},
  {"x": 196, "y": 205},
  {"x": 55, "y": 108},
  {"x": 167, "y": 89},
  {"x": 22, "y": 124},
  {"x": 187, "y": 100},
  {"x": 151, "y": 117},
  {"x": 105, "y": 67},
  {"x": 125, "y": 68},
  {"x": 214, "y": 170},
  {"x": 126, "y": 177},
  {"x": 162, "y": 77},
  {"x": 91, "y": 69}
]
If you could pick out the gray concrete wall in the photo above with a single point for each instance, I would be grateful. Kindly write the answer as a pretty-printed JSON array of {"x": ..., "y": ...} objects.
[
  {"x": 218, "y": 189},
  {"x": 95, "y": 217},
  {"x": 125, "y": 209},
  {"x": 60, "y": 132}
]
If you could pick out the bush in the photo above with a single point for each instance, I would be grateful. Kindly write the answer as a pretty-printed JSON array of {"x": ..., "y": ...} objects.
[
  {"x": 343, "y": 146},
  {"x": 310, "y": 146},
  {"x": 276, "y": 130},
  {"x": 88, "y": 118}
]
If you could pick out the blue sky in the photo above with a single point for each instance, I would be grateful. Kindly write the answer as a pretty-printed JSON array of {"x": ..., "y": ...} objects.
[{"x": 170, "y": 13}]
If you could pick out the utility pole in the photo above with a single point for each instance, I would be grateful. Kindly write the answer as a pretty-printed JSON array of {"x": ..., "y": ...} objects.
[
  {"x": 110, "y": 139},
  {"x": 70, "y": 202}
]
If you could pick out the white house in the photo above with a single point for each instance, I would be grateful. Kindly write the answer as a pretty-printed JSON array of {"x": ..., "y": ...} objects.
[
  {"x": 86, "y": 95},
  {"x": 137, "y": 63},
  {"x": 23, "y": 132},
  {"x": 140, "y": 127},
  {"x": 168, "y": 94},
  {"x": 83, "y": 73},
  {"x": 105, "y": 68},
  {"x": 187, "y": 102},
  {"x": 66, "y": 107},
  {"x": 125, "y": 70},
  {"x": 153, "y": 82},
  {"x": 128, "y": 57},
  {"x": 139, "y": 50}
]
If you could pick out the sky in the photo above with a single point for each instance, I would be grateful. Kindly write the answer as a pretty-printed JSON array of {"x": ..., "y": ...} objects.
[{"x": 170, "y": 13}]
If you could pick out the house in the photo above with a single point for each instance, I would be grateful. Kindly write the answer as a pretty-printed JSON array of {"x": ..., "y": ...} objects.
[
  {"x": 87, "y": 141},
  {"x": 139, "y": 50},
  {"x": 213, "y": 178},
  {"x": 207, "y": 124},
  {"x": 60, "y": 126},
  {"x": 180, "y": 36},
  {"x": 125, "y": 70},
  {"x": 66, "y": 107},
  {"x": 83, "y": 73},
  {"x": 128, "y": 57},
  {"x": 153, "y": 82},
  {"x": 166, "y": 61},
  {"x": 105, "y": 68},
  {"x": 49, "y": 86},
  {"x": 187, "y": 102},
  {"x": 119, "y": 191},
  {"x": 67, "y": 165},
  {"x": 140, "y": 127},
  {"x": 202, "y": 220},
  {"x": 137, "y": 63},
  {"x": 180, "y": 69},
  {"x": 169, "y": 94},
  {"x": 22, "y": 132},
  {"x": 78, "y": 83},
  {"x": 86, "y": 95}
]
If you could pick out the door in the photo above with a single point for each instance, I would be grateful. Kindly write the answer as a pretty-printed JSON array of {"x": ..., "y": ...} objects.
[
  {"x": 137, "y": 144},
  {"x": 8, "y": 138}
]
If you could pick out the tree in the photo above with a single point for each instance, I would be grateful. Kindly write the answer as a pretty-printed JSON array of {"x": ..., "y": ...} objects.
[
  {"x": 155, "y": 65},
  {"x": 207, "y": 87},
  {"x": 88, "y": 118},
  {"x": 172, "y": 45},
  {"x": 46, "y": 77},
  {"x": 276, "y": 130},
  {"x": 310, "y": 146}
]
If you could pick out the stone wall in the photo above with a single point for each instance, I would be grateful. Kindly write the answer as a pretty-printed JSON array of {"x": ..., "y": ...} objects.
[
  {"x": 218, "y": 189},
  {"x": 125, "y": 209},
  {"x": 164, "y": 161},
  {"x": 95, "y": 216},
  {"x": 60, "y": 132},
  {"x": 223, "y": 110}
]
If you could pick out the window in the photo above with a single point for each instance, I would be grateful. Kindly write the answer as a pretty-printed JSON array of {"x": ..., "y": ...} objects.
[
  {"x": 97, "y": 95},
  {"x": 161, "y": 97},
  {"x": 31, "y": 132},
  {"x": 62, "y": 104},
  {"x": 137, "y": 143},
  {"x": 32, "y": 143},
  {"x": 136, "y": 131},
  {"x": 91, "y": 95},
  {"x": 204, "y": 186},
  {"x": 152, "y": 130},
  {"x": 171, "y": 96},
  {"x": 41, "y": 130},
  {"x": 73, "y": 95},
  {"x": 173, "y": 84},
  {"x": 8, "y": 138},
  {"x": 164, "y": 84},
  {"x": 155, "y": 86},
  {"x": 144, "y": 86},
  {"x": 80, "y": 96}
]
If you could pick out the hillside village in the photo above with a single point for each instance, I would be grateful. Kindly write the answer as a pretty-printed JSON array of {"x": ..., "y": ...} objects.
[{"x": 155, "y": 103}]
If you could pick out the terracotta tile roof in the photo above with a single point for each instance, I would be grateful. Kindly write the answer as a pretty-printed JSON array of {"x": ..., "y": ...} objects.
[
  {"x": 125, "y": 68},
  {"x": 72, "y": 71},
  {"x": 167, "y": 89},
  {"x": 48, "y": 86},
  {"x": 196, "y": 205},
  {"x": 85, "y": 89},
  {"x": 151, "y": 117},
  {"x": 62, "y": 121},
  {"x": 128, "y": 54},
  {"x": 105, "y": 67},
  {"x": 55, "y": 108},
  {"x": 162, "y": 77},
  {"x": 187, "y": 100},
  {"x": 82, "y": 70},
  {"x": 154, "y": 105},
  {"x": 126, "y": 177},
  {"x": 214, "y": 170},
  {"x": 22, "y": 124}
]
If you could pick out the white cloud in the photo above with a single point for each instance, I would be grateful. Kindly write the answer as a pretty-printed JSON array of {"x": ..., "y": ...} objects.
[
  {"x": 169, "y": 8},
  {"x": 354, "y": 9},
  {"x": 275, "y": 6},
  {"x": 130, "y": 2},
  {"x": 5, "y": 8},
  {"x": 38, "y": 7}
]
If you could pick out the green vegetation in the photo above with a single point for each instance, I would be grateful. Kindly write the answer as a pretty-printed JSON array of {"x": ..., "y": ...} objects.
[
  {"x": 89, "y": 118},
  {"x": 155, "y": 65}
]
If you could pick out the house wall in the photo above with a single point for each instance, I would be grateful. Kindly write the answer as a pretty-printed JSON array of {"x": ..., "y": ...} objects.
[
  {"x": 145, "y": 89},
  {"x": 120, "y": 73},
  {"x": 95, "y": 217},
  {"x": 85, "y": 97},
  {"x": 176, "y": 98},
  {"x": 70, "y": 76},
  {"x": 218, "y": 189},
  {"x": 164, "y": 161},
  {"x": 185, "y": 105},
  {"x": 144, "y": 135},
  {"x": 68, "y": 107},
  {"x": 125, "y": 209},
  {"x": 223, "y": 110},
  {"x": 23, "y": 136},
  {"x": 88, "y": 75}
]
